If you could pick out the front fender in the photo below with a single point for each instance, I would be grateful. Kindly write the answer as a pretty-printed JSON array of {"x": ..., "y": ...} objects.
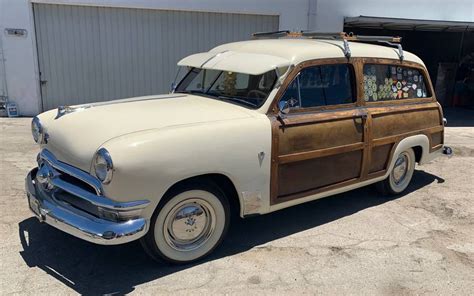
[{"x": 148, "y": 163}]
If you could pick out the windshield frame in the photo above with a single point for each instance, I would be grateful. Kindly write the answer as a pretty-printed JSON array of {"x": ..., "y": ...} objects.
[{"x": 236, "y": 100}]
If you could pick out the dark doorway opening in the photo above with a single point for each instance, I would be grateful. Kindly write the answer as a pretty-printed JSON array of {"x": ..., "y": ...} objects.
[{"x": 448, "y": 55}]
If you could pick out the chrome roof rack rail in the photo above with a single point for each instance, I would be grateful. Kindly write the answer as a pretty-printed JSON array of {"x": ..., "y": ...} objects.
[
  {"x": 345, "y": 37},
  {"x": 271, "y": 34}
]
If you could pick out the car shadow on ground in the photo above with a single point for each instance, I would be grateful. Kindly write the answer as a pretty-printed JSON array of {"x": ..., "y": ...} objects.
[{"x": 94, "y": 269}]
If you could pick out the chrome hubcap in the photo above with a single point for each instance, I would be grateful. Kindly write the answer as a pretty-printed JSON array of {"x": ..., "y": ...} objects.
[
  {"x": 189, "y": 224},
  {"x": 400, "y": 169}
]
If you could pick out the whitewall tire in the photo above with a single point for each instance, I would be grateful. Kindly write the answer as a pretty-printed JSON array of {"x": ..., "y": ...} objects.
[
  {"x": 189, "y": 224},
  {"x": 401, "y": 174}
]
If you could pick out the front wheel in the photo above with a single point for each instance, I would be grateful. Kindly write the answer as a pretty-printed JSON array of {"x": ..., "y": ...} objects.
[
  {"x": 189, "y": 224},
  {"x": 401, "y": 174}
]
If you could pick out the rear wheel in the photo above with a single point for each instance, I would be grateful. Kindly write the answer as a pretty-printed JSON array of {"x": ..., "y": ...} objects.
[
  {"x": 189, "y": 224},
  {"x": 401, "y": 174}
]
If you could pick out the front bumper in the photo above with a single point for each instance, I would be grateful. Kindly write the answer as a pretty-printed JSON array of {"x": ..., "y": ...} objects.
[{"x": 77, "y": 222}]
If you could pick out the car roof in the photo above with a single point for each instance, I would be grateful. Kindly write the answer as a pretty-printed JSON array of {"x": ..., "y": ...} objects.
[{"x": 298, "y": 50}]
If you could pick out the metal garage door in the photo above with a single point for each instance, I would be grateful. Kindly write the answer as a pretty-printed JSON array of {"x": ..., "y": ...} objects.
[{"x": 91, "y": 54}]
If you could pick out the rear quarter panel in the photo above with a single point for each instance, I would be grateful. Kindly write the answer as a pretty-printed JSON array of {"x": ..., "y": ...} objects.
[{"x": 390, "y": 125}]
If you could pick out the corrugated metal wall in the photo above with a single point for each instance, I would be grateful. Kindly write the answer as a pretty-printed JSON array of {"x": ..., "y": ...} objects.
[{"x": 91, "y": 54}]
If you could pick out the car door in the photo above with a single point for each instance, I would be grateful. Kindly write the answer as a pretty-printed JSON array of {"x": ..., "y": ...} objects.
[{"x": 319, "y": 145}]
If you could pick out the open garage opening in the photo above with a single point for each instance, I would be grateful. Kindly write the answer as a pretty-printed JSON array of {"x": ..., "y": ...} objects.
[{"x": 446, "y": 47}]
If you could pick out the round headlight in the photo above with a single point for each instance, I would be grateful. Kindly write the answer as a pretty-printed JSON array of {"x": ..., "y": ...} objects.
[
  {"x": 37, "y": 130},
  {"x": 103, "y": 166}
]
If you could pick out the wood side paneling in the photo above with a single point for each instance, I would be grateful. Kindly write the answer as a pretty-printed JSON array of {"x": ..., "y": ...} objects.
[
  {"x": 312, "y": 174},
  {"x": 320, "y": 136},
  {"x": 380, "y": 157},
  {"x": 436, "y": 139},
  {"x": 403, "y": 122},
  {"x": 317, "y": 142},
  {"x": 317, "y": 150}
]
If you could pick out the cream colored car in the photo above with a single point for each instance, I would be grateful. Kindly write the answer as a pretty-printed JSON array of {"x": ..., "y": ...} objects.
[{"x": 253, "y": 127}]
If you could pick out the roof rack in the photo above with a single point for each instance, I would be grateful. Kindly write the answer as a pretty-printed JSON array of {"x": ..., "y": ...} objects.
[{"x": 345, "y": 37}]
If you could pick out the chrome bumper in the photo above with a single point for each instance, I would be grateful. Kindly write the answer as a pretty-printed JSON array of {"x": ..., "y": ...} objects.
[{"x": 79, "y": 223}]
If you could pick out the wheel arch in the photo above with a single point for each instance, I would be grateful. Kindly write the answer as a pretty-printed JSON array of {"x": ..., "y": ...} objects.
[
  {"x": 420, "y": 145},
  {"x": 219, "y": 179}
]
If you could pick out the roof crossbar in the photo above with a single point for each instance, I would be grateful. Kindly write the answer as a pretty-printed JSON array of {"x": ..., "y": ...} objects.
[{"x": 345, "y": 37}]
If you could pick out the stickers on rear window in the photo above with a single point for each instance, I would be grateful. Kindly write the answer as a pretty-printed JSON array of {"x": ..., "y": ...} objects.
[{"x": 388, "y": 82}]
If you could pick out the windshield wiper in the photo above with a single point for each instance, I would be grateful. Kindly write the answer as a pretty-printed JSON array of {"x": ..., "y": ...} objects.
[{"x": 237, "y": 100}]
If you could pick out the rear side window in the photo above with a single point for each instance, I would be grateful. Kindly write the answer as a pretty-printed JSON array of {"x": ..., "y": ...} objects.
[
  {"x": 321, "y": 86},
  {"x": 392, "y": 82}
]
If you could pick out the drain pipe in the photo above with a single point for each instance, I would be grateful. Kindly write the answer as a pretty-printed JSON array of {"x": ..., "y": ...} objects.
[
  {"x": 3, "y": 79},
  {"x": 2, "y": 67}
]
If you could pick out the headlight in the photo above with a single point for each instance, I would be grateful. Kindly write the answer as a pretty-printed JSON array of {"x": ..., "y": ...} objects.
[
  {"x": 37, "y": 130},
  {"x": 103, "y": 166}
]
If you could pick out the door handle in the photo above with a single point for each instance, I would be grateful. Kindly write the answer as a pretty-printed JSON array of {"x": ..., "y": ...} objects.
[{"x": 362, "y": 119}]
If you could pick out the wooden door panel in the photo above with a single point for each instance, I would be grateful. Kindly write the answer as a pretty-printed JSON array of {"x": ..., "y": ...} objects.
[
  {"x": 317, "y": 150},
  {"x": 307, "y": 175},
  {"x": 317, "y": 136}
]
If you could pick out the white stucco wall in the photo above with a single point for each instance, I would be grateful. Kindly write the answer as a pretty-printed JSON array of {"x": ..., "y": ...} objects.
[
  {"x": 330, "y": 13},
  {"x": 20, "y": 56}
]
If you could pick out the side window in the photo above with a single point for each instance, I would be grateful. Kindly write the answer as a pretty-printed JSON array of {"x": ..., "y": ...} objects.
[
  {"x": 291, "y": 94},
  {"x": 392, "y": 82},
  {"x": 321, "y": 86}
]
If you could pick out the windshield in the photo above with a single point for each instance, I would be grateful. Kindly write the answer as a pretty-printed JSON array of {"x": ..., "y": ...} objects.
[{"x": 246, "y": 90}]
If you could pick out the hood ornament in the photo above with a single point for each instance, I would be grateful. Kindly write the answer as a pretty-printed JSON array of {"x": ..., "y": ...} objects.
[{"x": 63, "y": 110}]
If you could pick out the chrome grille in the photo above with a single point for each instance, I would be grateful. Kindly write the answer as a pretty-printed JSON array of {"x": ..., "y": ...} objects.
[
  {"x": 67, "y": 170},
  {"x": 54, "y": 174}
]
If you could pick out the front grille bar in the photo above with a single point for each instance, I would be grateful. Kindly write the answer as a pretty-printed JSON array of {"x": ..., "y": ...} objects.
[
  {"x": 98, "y": 199},
  {"x": 72, "y": 171}
]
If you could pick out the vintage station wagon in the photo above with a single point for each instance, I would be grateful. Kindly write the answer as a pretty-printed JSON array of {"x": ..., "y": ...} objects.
[{"x": 253, "y": 127}]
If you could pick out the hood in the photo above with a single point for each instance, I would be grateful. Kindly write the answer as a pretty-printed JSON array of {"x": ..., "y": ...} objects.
[{"x": 75, "y": 137}]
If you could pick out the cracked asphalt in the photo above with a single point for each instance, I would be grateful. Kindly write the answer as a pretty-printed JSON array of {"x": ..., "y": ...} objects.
[{"x": 421, "y": 242}]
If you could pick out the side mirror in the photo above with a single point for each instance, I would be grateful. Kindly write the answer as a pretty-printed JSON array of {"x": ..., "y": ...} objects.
[{"x": 284, "y": 107}]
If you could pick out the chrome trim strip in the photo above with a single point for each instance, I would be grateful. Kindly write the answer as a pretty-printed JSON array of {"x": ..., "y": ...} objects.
[
  {"x": 70, "y": 170},
  {"x": 80, "y": 224}
]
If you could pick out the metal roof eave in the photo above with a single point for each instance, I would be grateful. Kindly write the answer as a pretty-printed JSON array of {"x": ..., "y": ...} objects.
[{"x": 373, "y": 22}]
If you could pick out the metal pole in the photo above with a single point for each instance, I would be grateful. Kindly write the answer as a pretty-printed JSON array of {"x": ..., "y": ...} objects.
[{"x": 3, "y": 69}]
